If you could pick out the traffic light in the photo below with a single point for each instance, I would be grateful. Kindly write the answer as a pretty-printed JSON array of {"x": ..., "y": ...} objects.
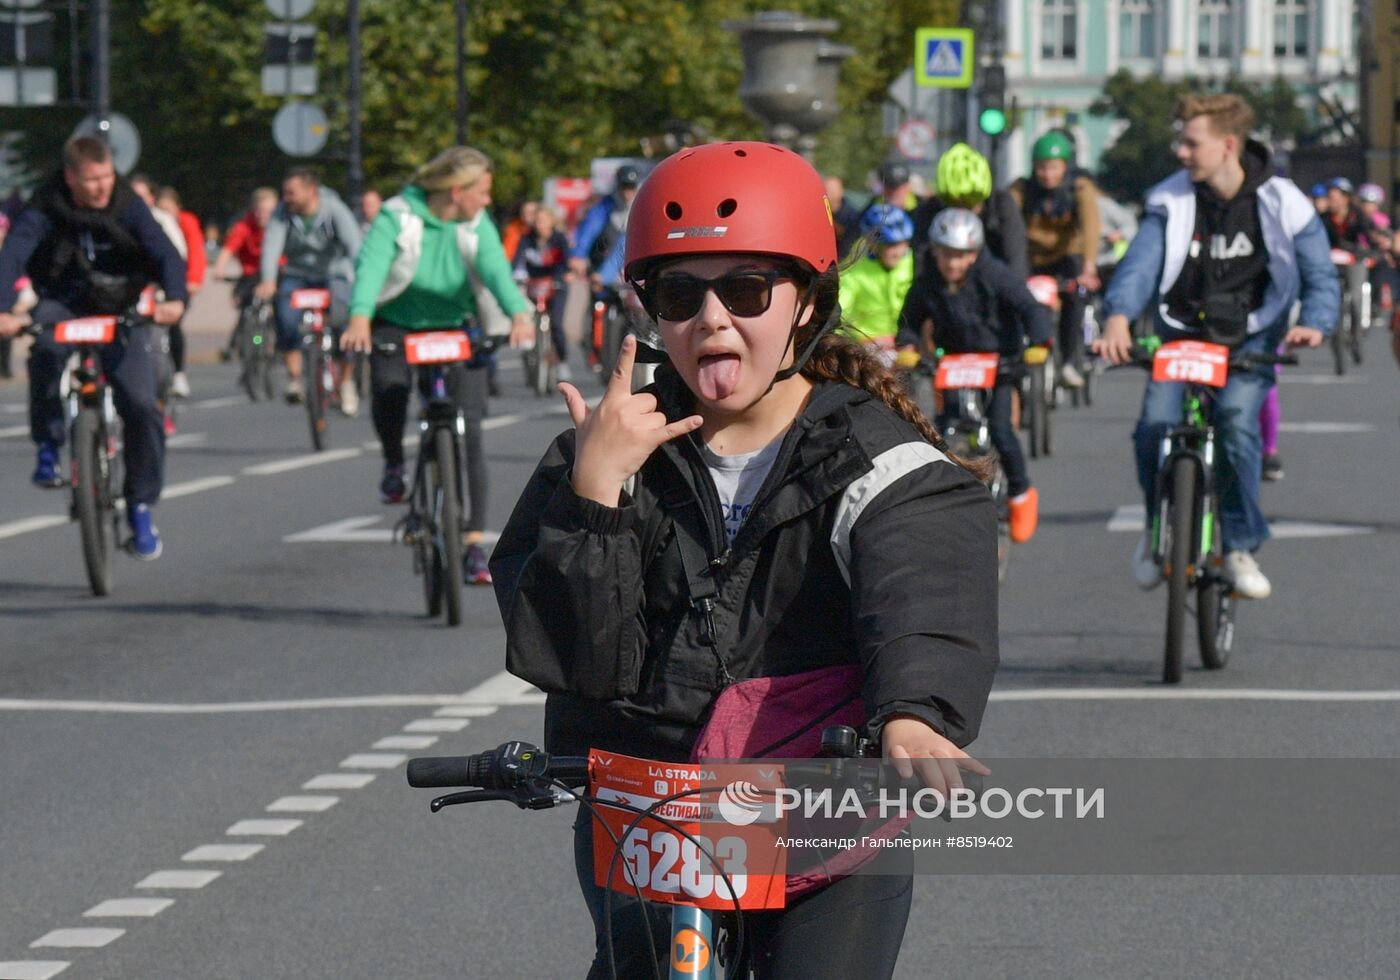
[{"x": 992, "y": 119}]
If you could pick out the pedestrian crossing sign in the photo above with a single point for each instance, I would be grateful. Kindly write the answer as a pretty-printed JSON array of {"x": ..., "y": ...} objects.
[{"x": 943, "y": 57}]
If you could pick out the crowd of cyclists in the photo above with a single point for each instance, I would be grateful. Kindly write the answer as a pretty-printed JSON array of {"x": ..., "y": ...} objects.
[{"x": 780, "y": 460}]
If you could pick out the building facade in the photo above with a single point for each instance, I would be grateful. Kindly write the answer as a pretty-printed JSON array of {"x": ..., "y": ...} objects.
[
  {"x": 1058, "y": 54},
  {"x": 1382, "y": 102}
]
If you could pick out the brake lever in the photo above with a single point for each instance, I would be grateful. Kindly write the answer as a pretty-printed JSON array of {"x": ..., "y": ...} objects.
[{"x": 469, "y": 796}]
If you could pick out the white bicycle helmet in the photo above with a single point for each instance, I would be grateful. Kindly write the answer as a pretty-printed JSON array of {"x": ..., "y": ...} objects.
[
  {"x": 1371, "y": 193},
  {"x": 958, "y": 229}
]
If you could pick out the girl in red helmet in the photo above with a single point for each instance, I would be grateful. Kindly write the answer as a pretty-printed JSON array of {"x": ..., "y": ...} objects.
[{"x": 773, "y": 505}]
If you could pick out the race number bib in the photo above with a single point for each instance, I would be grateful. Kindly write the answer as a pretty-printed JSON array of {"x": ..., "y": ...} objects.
[
  {"x": 966, "y": 371},
  {"x": 728, "y": 814},
  {"x": 437, "y": 347},
  {"x": 1045, "y": 290},
  {"x": 86, "y": 330},
  {"x": 1192, "y": 361},
  {"x": 311, "y": 299}
]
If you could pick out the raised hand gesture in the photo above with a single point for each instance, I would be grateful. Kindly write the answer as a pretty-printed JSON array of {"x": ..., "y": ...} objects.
[{"x": 618, "y": 434}]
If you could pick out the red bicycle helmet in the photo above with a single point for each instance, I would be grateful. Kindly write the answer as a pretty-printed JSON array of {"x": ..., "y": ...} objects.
[{"x": 746, "y": 197}]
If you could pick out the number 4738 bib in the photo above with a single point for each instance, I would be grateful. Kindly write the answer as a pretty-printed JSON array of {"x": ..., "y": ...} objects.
[
  {"x": 727, "y": 810},
  {"x": 1192, "y": 360}
]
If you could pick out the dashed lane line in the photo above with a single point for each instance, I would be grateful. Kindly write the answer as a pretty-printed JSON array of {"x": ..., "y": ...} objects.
[
  {"x": 78, "y": 938},
  {"x": 12, "y": 431},
  {"x": 1132, "y": 517},
  {"x": 373, "y": 760},
  {"x": 1327, "y": 428},
  {"x": 240, "y": 707},
  {"x": 191, "y": 487},
  {"x": 221, "y": 852},
  {"x": 301, "y": 462},
  {"x": 32, "y": 969},
  {"x": 178, "y": 879},
  {"x": 1189, "y": 694},
  {"x": 129, "y": 908},
  {"x": 339, "y": 780},
  {"x": 27, "y": 524},
  {"x": 223, "y": 401},
  {"x": 302, "y": 804},
  {"x": 412, "y": 742},
  {"x": 263, "y": 828}
]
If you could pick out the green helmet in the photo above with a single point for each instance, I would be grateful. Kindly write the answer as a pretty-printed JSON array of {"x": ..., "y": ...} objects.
[
  {"x": 964, "y": 178},
  {"x": 1054, "y": 145}
]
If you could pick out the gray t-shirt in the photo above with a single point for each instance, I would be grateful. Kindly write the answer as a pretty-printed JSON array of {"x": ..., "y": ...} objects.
[{"x": 738, "y": 479}]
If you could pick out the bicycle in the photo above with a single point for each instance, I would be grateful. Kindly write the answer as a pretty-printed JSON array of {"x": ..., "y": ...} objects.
[
  {"x": 318, "y": 361},
  {"x": 1347, "y": 339},
  {"x": 255, "y": 342},
  {"x": 541, "y": 360},
  {"x": 1040, "y": 385},
  {"x": 93, "y": 437},
  {"x": 1184, "y": 522},
  {"x": 433, "y": 525},
  {"x": 522, "y": 774}
]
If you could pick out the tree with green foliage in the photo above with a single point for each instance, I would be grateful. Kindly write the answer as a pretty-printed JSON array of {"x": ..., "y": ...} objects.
[
  {"x": 551, "y": 85},
  {"x": 1142, "y": 154}
]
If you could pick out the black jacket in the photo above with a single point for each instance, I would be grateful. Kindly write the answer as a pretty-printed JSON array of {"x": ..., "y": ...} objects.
[
  {"x": 993, "y": 311},
  {"x": 597, "y": 604},
  {"x": 1002, "y": 224}
]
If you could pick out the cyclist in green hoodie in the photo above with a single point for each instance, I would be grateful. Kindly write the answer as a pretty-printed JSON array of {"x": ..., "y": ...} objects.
[{"x": 430, "y": 260}]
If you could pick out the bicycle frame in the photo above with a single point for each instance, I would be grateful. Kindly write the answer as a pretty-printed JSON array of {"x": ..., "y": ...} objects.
[
  {"x": 1194, "y": 437},
  {"x": 438, "y": 411}
]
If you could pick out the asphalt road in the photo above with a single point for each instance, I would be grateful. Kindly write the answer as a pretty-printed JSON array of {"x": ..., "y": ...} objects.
[{"x": 274, "y": 665}]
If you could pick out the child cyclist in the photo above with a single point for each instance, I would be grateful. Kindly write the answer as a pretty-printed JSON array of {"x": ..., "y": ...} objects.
[
  {"x": 873, "y": 288},
  {"x": 968, "y": 301},
  {"x": 837, "y": 533}
]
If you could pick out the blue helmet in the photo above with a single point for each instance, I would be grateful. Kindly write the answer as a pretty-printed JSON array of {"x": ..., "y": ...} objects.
[
  {"x": 1341, "y": 184},
  {"x": 1319, "y": 189},
  {"x": 886, "y": 224}
]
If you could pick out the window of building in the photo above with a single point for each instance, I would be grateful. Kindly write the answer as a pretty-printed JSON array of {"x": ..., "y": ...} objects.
[
  {"x": 1291, "y": 26},
  {"x": 1215, "y": 29},
  {"x": 1137, "y": 29},
  {"x": 1059, "y": 30}
]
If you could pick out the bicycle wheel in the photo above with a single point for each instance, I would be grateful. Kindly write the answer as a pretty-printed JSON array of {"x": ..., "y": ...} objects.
[
  {"x": 1180, "y": 527},
  {"x": 542, "y": 378},
  {"x": 317, "y": 397},
  {"x": 1001, "y": 497},
  {"x": 449, "y": 521},
  {"x": 427, "y": 557},
  {"x": 1035, "y": 405},
  {"x": 1358, "y": 330},
  {"x": 612, "y": 338},
  {"x": 1048, "y": 417},
  {"x": 1339, "y": 341},
  {"x": 1215, "y": 602},
  {"x": 92, "y": 499},
  {"x": 249, "y": 358}
]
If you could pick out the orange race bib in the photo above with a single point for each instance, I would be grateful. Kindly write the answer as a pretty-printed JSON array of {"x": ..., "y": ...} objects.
[
  {"x": 1045, "y": 290},
  {"x": 311, "y": 299},
  {"x": 86, "y": 330},
  {"x": 966, "y": 371},
  {"x": 437, "y": 347},
  {"x": 1341, "y": 256},
  {"x": 730, "y": 810},
  {"x": 1192, "y": 361},
  {"x": 146, "y": 303}
]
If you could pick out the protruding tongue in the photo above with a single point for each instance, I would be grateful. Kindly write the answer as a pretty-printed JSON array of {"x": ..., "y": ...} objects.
[{"x": 719, "y": 376}]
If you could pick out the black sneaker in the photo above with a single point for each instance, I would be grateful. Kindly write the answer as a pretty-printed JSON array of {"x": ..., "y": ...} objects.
[
  {"x": 1272, "y": 469},
  {"x": 391, "y": 488}
]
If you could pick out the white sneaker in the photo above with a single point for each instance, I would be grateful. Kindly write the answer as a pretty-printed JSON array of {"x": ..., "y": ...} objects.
[
  {"x": 180, "y": 385},
  {"x": 1146, "y": 571},
  {"x": 1243, "y": 571},
  {"x": 1070, "y": 376},
  {"x": 349, "y": 398}
]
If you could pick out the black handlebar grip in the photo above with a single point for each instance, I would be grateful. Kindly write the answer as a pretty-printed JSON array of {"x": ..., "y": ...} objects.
[{"x": 440, "y": 771}]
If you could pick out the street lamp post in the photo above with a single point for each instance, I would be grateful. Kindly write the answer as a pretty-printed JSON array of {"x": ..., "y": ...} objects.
[
  {"x": 355, "y": 178},
  {"x": 102, "y": 62},
  {"x": 461, "y": 13}
]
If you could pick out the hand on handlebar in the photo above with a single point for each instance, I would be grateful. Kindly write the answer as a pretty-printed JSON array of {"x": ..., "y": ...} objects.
[
  {"x": 522, "y": 330},
  {"x": 910, "y": 743},
  {"x": 1090, "y": 280},
  {"x": 168, "y": 313},
  {"x": 11, "y": 324},
  {"x": 357, "y": 334},
  {"x": 265, "y": 290},
  {"x": 1303, "y": 337},
  {"x": 1116, "y": 344}
]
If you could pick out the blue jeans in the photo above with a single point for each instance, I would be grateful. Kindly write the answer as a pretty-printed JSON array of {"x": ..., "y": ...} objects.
[
  {"x": 289, "y": 320},
  {"x": 1234, "y": 411}
]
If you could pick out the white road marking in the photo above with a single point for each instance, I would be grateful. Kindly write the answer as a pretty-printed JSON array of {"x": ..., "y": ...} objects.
[
  {"x": 1132, "y": 517},
  {"x": 503, "y": 688},
  {"x": 233, "y": 707},
  {"x": 298, "y": 462},
  {"x": 178, "y": 879},
  {"x": 302, "y": 804},
  {"x": 129, "y": 908},
  {"x": 501, "y": 421},
  {"x": 78, "y": 938},
  {"x": 373, "y": 760},
  {"x": 358, "y": 530},
  {"x": 1327, "y": 428},
  {"x": 1323, "y": 379},
  {"x": 405, "y": 742},
  {"x": 437, "y": 725},
  {"x": 11, "y": 431},
  {"x": 263, "y": 828},
  {"x": 185, "y": 439},
  {"x": 14, "y": 408},
  {"x": 223, "y": 401},
  {"x": 466, "y": 711},
  {"x": 1187, "y": 694},
  {"x": 27, "y": 524},
  {"x": 31, "y": 969},
  {"x": 340, "y": 780},
  {"x": 195, "y": 486},
  {"x": 222, "y": 852}
]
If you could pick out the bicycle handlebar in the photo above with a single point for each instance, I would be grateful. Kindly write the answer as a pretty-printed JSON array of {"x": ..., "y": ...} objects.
[{"x": 1239, "y": 361}]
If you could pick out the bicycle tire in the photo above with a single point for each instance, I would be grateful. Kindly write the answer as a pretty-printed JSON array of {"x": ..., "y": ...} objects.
[
  {"x": 1180, "y": 557},
  {"x": 1035, "y": 402},
  {"x": 612, "y": 339},
  {"x": 92, "y": 499},
  {"x": 1047, "y": 428},
  {"x": 449, "y": 522},
  {"x": 544, "y": 367},
  {"x": 1090, "y": 382},
  {"x": 248, "y": 356},
  {"x": 1339, "y": 353},
  {"x": 316, "y": 398},
  {"x": 1215, "y": 603}
]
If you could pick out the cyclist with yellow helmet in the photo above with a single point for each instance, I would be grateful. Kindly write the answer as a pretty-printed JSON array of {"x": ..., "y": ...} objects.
[{"x": 964, "y": 180}]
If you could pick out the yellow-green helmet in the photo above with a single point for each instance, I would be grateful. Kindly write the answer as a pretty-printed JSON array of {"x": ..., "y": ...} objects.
[{"x": 964, "y": 177}]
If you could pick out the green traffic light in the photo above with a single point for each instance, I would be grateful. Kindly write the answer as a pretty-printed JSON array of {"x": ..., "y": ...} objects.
[{"x": 992, "y": 121}]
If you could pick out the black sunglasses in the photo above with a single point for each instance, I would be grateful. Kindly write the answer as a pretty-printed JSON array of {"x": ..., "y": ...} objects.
[{"x": 678, "y": 296}]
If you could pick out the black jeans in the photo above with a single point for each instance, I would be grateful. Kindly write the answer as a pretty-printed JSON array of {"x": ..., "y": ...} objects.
[
  {"x": 1003, "y": 434},
  {"x": 850, "y": 928},
  {"x": 131, "y": 363},
  {"x": 390, "y": 380},
  {"x": 1071, "y": 332}
]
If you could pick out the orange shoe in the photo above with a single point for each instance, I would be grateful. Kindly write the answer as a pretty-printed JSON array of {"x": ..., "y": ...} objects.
[{"x": 1025, "y": 515}]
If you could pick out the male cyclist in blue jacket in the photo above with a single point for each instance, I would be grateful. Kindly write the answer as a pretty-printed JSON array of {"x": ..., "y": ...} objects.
[{"x": 1224, "y": 250}]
